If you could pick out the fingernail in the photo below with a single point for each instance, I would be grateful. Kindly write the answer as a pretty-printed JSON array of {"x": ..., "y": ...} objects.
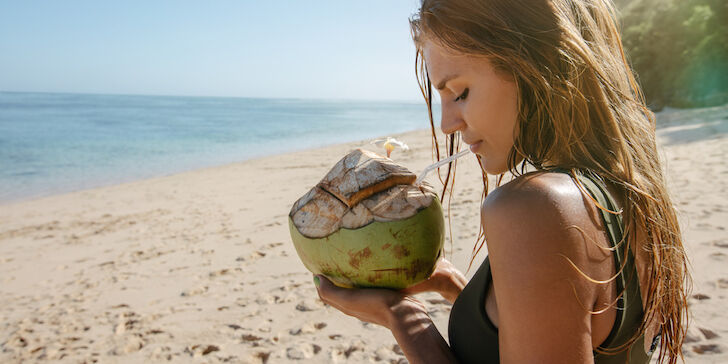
[{"x": 316, "y": 281}]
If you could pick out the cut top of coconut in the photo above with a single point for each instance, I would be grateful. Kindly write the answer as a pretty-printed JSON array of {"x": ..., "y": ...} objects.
[
  {"x": 361, "y": 188},
  {"x": 362, "y": 173}
]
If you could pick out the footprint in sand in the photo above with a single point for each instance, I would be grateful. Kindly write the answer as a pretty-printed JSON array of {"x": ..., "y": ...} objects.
[
  {"x": 308, "y": 328},
  {"x": 254, "y": 340},
  {"x": 707, "y": 349},
  {"x": 341, "y": 353},
  {"x": 291, "y": 285},
  {"x": 272, "y": 245},
  {"x": 264, "y": 327},
  {"x": 201, "y": 350},
  {"x": 692, "y": 336},
  {"x": 225, "y": 271},
  {"x": 708, "y": 334},
  {"x": 125, "y": 344},
  {"x": 309, "y": 305},
  {"x": 701, "y": 297},
  {"x": 162, "y": 353},
  {"x": 260, "y": 357},
  {"x": 194, "y": 291},
  {"x": 125, "y": 323},
  {"x": 242, "y": 302},
  {"x": 269, "y": 299},
  {"x": 698, "y": 334},
  {"x": 302, "y": 351},
  {"x": 720, "y": 244},
  {"x": 175, "y": 269},
  {"x": 252, "y": 257}
]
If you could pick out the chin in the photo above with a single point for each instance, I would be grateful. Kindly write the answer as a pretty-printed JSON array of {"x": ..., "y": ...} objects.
[{"x": 493, "y": 167}]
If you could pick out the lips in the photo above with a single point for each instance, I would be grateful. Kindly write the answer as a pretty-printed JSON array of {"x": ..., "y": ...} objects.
[
  {"x": 474, "y": 145},
  {"x": 472, "y": 142}
]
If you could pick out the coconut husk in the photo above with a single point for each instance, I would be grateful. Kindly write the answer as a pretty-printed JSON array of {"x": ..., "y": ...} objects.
[{"x": 361, "y": 188}]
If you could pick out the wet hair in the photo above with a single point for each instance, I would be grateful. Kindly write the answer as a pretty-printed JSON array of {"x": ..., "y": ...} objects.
[{"x": 579, "y": 108}]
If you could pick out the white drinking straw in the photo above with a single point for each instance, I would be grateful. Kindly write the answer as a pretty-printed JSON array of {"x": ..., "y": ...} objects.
[{"x": 435, "y": 165}]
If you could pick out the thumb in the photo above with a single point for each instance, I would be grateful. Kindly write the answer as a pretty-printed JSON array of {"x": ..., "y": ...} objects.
[
  {"x": 323, "y": 285},
  {"x": 330, "y": 293},
  {"x": 424, "y": 286}
]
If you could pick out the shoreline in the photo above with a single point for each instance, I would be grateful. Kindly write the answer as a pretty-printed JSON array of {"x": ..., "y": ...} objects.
[{"x": 63, "y": 191}]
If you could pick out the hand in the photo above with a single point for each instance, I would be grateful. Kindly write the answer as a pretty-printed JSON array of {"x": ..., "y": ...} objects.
[
  {"x": 377, "y": 306},
  {"x": 403, "y": 315},
  {"x": 445, "y": 280}
]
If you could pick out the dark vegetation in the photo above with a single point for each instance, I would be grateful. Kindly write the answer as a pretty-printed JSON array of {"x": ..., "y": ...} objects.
[{"x": 679, "y": 50}]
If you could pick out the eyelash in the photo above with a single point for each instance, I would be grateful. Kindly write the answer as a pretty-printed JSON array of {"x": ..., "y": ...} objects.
[{"x": 462, "y": 95}]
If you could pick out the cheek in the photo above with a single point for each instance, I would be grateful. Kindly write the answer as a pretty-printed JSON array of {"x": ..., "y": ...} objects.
[
  {"x": 494, "y": 118},
  {"x": 506, "y": 110}
]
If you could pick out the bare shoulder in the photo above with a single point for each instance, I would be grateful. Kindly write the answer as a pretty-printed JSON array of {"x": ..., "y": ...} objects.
[
  {"x": 544, "y": 216},
  {"x": 536, "y": 201}
]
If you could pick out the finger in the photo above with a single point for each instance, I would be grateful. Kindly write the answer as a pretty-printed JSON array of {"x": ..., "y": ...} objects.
[
  {"x": 332, "y": 294},
  {"x": 317, "y": 282},
  {"x": 328, "y": 291},
  {"x": 347, "y": 299},
  {"x": 322, "y": 291},
  {"x": 431, "y": 284}
]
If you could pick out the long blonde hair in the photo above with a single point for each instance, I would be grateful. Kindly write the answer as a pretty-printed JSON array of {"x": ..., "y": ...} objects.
[{"x": 580, "y": 108}]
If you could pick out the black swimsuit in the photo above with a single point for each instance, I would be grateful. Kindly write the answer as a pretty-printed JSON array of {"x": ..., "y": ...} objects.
[{"x": 474, "y": 338}]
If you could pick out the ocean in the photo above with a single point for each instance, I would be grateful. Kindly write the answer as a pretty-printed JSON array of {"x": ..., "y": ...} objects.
[{"x": 54, "y": 143}]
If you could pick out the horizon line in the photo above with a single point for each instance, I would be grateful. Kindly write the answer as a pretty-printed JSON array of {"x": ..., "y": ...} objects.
[{"x": 410, "y": 101}]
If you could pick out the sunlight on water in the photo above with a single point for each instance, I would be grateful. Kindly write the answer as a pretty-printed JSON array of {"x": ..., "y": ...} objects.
[{"x": 51, "y": 143}]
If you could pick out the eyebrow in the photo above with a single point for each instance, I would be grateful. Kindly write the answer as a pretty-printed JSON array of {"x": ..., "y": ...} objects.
[{"x": 444, "y": 81}]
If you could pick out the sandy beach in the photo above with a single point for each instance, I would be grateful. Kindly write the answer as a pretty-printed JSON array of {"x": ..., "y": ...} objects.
[{"x": 198, "y": 267}]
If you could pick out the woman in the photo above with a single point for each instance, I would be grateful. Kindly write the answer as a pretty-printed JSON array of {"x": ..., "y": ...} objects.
[{"x": 585, "y": 258}]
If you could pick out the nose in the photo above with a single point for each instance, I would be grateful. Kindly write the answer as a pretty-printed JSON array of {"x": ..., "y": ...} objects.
[{"x": 451, "y": 119}]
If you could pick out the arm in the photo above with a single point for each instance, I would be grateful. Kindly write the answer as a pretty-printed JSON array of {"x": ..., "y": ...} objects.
[
  {"x": 404, "y": 316},
  {"x": 543, "y": 303}
]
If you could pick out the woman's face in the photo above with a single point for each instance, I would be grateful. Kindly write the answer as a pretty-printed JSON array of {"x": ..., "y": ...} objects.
[{"x": 477, "y": 101}]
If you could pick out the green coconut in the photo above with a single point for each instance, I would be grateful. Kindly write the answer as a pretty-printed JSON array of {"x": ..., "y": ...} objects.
[{"x": 366, "y": 225}]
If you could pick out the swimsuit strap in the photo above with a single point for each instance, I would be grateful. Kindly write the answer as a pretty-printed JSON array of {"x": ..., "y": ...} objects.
[{"x": 629, "y": 302}]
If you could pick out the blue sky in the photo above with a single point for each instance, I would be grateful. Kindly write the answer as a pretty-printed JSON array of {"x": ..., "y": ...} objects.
[{"x": 278, "y": 48}]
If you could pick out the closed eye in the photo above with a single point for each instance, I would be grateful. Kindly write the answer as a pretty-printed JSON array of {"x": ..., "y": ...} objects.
[{"x": 462, "y": 95}]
